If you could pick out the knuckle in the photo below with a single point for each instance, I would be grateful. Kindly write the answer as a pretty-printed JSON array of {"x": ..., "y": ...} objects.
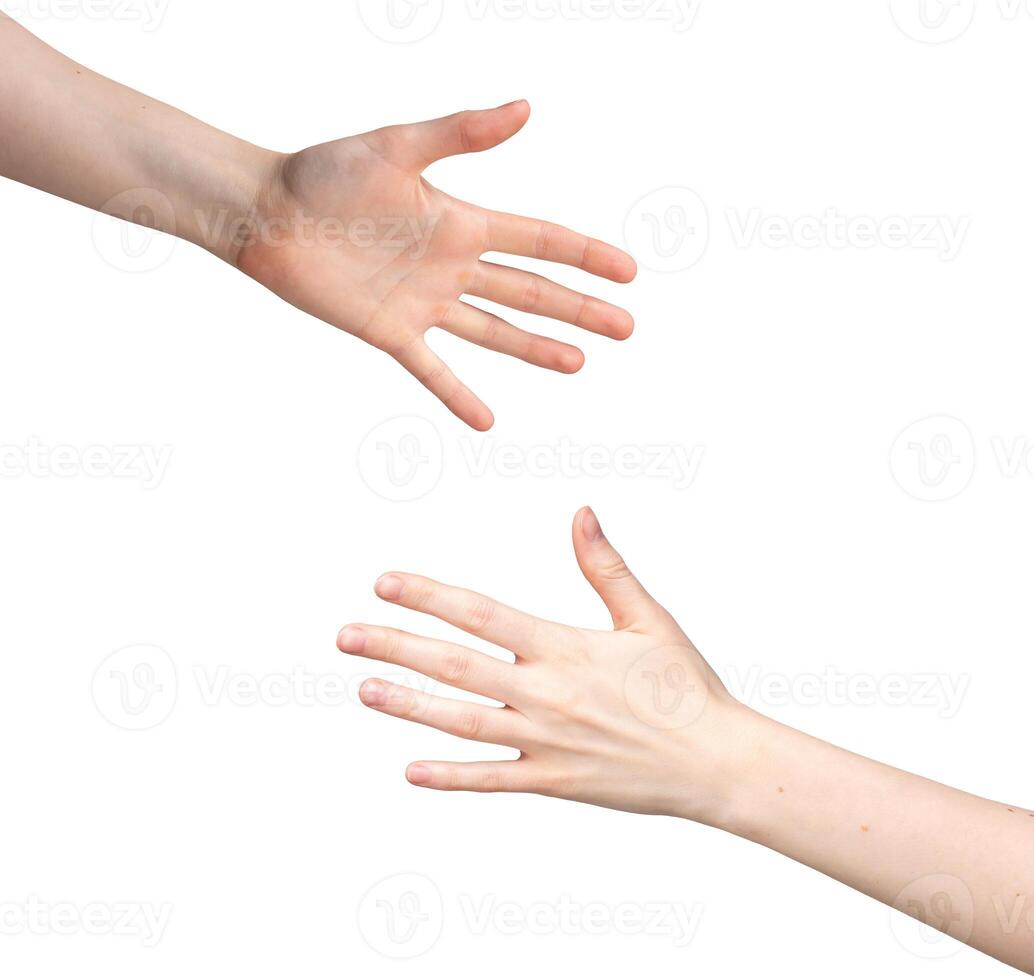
[
  {"x": 583, "y": 308},
  {"x": 391, "y": 646},
  {"x": 480, "y": 614},
  {"x": 614, "y": 569},
  {"x": 452, "y": 779},
  {"x": 381, "y": 141},
  {"x": 494, "y": 330},
  {"x": 544, "y": 239},
  {"x": 433, "y": 376},
  {"x": 455, "y": 668},
  {"x": 547, "y": 784},
  {"x": 532, "y": 295},
  {"x": 570, "y": 638},
  {"x": 531, "y": 349},
  {"x": 405, "y": 702},
  {"x": 568, "y": 705},
  {"x": 422, "y": 593},
  {"x": 490, "y": 782},
  {"x": 586, "y": 248},
  {"x": 463, "y": 124},
  {"x": 444, "y": 312},
  {"x": 536, "y": 633},
  {"x": 397, "y": 347},
  {"x": 554, "y": 698},
  {"x": 469, "y": 725}
]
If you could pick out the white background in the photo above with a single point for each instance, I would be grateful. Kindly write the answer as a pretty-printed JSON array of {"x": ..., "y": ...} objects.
[{"x": 807, "y": 547}]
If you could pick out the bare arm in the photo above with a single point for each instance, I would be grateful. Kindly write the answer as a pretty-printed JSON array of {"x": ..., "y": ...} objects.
[
  {"x": 71, "y": 132},
  {"x": 635, "y": 719},
  {"x": 958, "y": 863},
  {"x": 349, "y": 231}
]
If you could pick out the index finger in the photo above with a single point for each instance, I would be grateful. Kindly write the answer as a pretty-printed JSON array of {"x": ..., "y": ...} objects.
[
  {"x": 469, "y": 611},
  {"x": 536, "y": 239}
]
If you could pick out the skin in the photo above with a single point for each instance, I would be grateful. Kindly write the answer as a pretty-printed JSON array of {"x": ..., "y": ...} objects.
[
  {"x": 350, "y": 231},
  {"x": 634, "y": 719}
]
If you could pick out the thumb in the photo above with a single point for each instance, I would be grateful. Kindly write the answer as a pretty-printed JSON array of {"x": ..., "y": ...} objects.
[
  {"x": 630, "y": 605},
  {"x": 463, "y": 132}
]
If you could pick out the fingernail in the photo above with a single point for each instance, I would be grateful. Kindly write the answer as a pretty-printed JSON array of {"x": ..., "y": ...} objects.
[
  {"x": 351, "y": 640},
  {"x": 388, "y": 587},
  {"x": 374, "y": 693},
  {"x": 420, "y": 775},
  {"x": 591, "y": 526}
]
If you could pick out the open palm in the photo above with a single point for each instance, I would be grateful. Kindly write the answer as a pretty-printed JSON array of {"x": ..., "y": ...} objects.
[{"x": 352, "y": 233}]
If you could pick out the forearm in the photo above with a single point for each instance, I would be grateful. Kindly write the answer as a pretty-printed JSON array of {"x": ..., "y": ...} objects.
[
  {"x": 960, "y": 863},
  {"x": 73, "y": 133}
]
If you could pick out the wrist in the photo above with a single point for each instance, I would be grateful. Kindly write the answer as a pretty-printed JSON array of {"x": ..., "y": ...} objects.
[
  {"x": 783, "y": 785},
  {"x": 758, "y": 772},
  {"x": 221, "y": 207},
  {"x": 741, "y": 770},
  {"x": 148, "y": 163}
]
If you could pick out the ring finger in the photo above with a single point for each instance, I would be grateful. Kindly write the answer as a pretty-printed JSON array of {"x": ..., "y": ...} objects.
[
  {"x": 494, "y": 333},
  {"x": 499, "y": 726},
  {"x": 532, "y": 293},
  {"x": 448, "y": 663}
]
